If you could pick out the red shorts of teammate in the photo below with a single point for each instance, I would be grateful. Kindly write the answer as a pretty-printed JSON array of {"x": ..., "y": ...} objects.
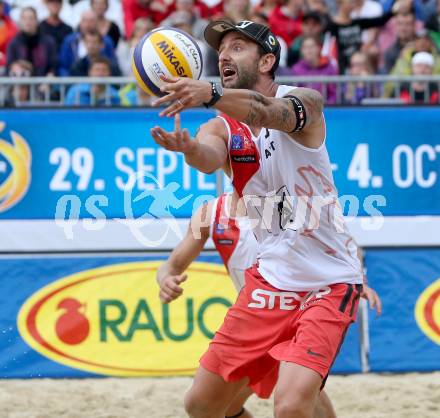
[{"x": 267, "y": 325}]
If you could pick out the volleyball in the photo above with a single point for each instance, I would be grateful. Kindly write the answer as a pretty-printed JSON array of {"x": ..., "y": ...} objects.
[{"x": 168, "y": 52}]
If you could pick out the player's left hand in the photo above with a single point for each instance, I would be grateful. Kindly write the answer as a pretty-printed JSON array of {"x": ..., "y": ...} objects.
[
  {"x": 373, "y": 298},
  {"x": 183, "y": 92}
]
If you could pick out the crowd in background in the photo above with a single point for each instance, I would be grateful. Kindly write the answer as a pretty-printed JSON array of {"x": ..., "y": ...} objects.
[{"x": 319, "y": 37}]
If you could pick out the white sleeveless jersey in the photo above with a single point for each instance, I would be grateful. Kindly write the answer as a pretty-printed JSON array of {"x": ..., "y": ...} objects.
[
  {"x": 289, "y": 191},
  {"x": 233, "y": 239}
]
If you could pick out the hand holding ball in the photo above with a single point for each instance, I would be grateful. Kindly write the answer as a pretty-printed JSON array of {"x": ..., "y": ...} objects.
[{"x": 165, "y": 52}]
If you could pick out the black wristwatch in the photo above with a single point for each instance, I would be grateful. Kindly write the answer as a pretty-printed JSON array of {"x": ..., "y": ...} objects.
[{"x": 217, "y": 93}]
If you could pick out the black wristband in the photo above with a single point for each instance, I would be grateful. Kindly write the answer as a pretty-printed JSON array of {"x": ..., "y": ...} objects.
[{"x": 300, "y": 113}]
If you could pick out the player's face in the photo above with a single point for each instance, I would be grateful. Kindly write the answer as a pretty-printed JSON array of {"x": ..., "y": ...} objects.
[{"x": 238, "y": 61}]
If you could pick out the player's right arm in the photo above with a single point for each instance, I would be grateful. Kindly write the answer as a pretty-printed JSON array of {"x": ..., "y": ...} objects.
[
  {"x": 207, "y": 152},
  {"x": 170, "y": 274}
]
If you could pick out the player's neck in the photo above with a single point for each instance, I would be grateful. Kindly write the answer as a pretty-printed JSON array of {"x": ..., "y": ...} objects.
[{"x": 267, "y": 87}]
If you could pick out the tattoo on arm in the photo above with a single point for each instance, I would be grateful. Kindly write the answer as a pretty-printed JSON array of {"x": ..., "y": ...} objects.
[
  {"x": 257, "y": 108},
  {"x": 263, "y": 112},
  {"x": 279, "y": 114}
]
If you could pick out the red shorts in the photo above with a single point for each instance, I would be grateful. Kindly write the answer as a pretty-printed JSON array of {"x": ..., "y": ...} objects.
[{"x": 267, "y": 325}]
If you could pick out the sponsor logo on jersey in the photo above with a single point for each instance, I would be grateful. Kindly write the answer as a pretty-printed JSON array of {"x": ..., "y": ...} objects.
[
  {"x": 285, "y": 301},
  {"x": 427, "y": 311},
  {"x": 244, "y": 158},
  {"x": 109, "y": 320},
  {"x": 225, "y": 241},
  {"x": 237, "y": 142}
]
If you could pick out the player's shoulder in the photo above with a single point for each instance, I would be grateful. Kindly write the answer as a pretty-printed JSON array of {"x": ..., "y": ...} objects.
[
  {"x": 302, "y": 92},
  {"x": 216, "y": 125}
]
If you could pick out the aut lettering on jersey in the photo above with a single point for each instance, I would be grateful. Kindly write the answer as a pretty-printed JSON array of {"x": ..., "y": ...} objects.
[
  {"x": 268, "y": 151},
  {"x": 286, "y": 301}
]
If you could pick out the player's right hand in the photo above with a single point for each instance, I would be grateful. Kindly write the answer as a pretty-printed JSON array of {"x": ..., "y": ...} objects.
[{"x": 170, "y": 288}]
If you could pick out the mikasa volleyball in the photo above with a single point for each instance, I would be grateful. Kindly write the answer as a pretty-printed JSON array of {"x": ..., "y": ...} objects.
[{"x": 165, "y": 51}]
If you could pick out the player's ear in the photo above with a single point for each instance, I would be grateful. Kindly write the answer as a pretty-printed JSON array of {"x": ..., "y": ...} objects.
[{"x": 267, "y": 61}]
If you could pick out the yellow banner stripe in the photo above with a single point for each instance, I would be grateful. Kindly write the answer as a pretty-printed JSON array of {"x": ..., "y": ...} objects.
[
  {"x": 21, "y": 177},
  {"x": 139, "y": 79},
  {"x": 7, "y": 185},
  {"x": 22, "y": 147},
  {"x": 173, "y": 59}
]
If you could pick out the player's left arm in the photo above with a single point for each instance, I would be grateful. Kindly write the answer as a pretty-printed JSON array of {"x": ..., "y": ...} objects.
[{"x": 299, "y": 113}]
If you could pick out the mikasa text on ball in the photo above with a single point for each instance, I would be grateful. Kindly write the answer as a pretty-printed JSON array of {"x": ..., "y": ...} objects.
[{"x": 165, "y": 51}]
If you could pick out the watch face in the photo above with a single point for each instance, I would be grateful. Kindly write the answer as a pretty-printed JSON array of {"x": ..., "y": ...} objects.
[{"x": 219, "y": 88}]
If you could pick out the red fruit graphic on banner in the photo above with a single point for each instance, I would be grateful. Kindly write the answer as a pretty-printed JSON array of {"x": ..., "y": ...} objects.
[
  {"x": 109, "y": 320},
  {"x": 72, "y": 327},
  {"x": 427, "y": 311}
]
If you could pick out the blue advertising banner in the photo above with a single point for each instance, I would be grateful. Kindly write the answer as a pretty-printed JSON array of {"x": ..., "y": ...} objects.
[
  {"x": 94, "y": 315},
  {"x": 95, "y": 163},
  {"x": 407, "y": 335},
  {"x": 389, "y": 158},
  {"x": 103, "y": 163}
]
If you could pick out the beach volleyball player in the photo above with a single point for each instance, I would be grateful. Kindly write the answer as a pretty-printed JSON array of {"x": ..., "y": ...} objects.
[
  {"x": 224, "y": 220},
  {"x": 302, "y": 294}
]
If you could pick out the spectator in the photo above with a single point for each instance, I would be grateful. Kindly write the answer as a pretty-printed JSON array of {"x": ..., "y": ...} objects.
[
  {"x": 422, "y": 43},
  {"x": 348, "y": 31},
  {"x": 318, "y": 6},
  {"x": 266, "y": 7},
  {"x": 433, "y": 20},
  {"x": 368, "y": 9},
  {"x": 286, "y": 20},
  {"x": 424, "y": 8},
  {"x": 7, "y": 31},
  {"x": 19, "y": 5},
  {"x": 114, "y": 12},
  {"x": 203, "y": 9},
  {"x": 197, "y": 23},
  {"x": 356, "y": 92},
  {"x": 105, "y": 26},
  {"x": 403, "y": 66},
  {"x": 236, "y": 10},
  {"x": 422, "y": 63},
  {"x": 312, "y": 25},
  {"x": 96, "y": 94},
  {"x": 30, "y": 45},
  {"x": 312, "y": 63},
  {"x": 53, "y": 26},
  {"x": 94, "y": 43},
  {"x": 133, "y": 95},
  {"x": 19, "y": 94},
  {"x": 73, "y": 48},
  {"x": 156, "y": 10},
  {"x": 406, "y": 33},
  {"x": 433, "y": 25},
  {"x": 183, "y": 20},
  {"x": 125, "y": 49}
]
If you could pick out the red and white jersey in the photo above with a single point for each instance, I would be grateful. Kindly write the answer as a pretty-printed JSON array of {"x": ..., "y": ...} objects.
[
  {"x": 303, "y": 242},
  {"x": 233, "y": 239}
]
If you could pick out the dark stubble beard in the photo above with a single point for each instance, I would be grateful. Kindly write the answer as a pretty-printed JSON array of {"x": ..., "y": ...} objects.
[{"x": 247, "y": 78}]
